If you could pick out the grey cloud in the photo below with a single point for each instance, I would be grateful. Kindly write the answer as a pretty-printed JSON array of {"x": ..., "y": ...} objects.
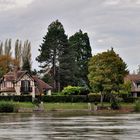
[{"x": 108, "y": 23}]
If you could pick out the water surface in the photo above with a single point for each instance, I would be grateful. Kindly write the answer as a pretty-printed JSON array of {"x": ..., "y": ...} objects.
[{"x": 69, "y": 126}]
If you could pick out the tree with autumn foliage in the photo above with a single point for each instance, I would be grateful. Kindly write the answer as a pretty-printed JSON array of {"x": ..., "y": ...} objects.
[
  {"x": 22, "y": 57},
  {"x": 6, "y": 64},
  {"x": 106, "y": 72}
]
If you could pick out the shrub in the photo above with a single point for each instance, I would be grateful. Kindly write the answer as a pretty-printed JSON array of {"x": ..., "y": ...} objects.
[
  {"x": 7, "y": 106},
  {"x": 137, "y": 106},
  {"x": 115, "y": 105},
  {"x": 130, "y": 99},
  {"x": 71, "y": 90},
  {"x": 93, "y": 97},
  {"x": 75, "y": 90}
]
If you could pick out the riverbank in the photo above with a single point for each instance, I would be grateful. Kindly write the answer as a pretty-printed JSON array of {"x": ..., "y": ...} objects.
[
  {"x": 84, "y": 107},
  {"x": 29, "y": 107}
]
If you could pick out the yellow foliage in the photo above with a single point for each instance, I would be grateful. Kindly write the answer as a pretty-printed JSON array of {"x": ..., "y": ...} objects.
[{"x": 6, "y": 61}]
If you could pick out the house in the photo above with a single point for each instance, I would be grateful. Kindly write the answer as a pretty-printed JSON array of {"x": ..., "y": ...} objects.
[
  {"x": 135, "y": 83},
  {"x": 19, "y": 82}
]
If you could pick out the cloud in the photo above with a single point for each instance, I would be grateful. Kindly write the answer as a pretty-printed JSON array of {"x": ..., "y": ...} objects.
[
  {"x": 11, "y": 4},
  {"x": 108, "y": 23}
]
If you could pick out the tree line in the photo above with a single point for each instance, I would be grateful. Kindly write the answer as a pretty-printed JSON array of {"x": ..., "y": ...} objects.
[
  {"x": 68, "y": 61},
  {"x": 63, "y": 60},
  {"x": 18, "y": 56}
]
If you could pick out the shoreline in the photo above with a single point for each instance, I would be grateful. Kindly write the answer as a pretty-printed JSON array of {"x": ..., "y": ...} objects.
[{"x": 99, "y": 111}]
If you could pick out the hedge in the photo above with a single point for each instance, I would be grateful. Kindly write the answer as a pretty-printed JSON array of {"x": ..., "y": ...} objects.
[
  {"x": 129, "y": 99},
  {"x": 7, "y": 106},
  {"x": 55, "y": 98},
  {"x": 73, "y": 98},
  {"x": 68, "y": 98},
  {"x": 16, "y": 98}
]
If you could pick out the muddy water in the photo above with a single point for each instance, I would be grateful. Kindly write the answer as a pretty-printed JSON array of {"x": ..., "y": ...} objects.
[{"x": 69, "y": 126}]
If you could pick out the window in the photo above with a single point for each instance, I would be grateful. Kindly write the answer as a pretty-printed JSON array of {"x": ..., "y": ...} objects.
[
  {"x": 138, "y": 85},
  {"x": 25, "y": 86}
]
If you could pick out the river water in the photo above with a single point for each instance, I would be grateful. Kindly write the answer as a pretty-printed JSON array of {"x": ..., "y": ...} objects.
[{"x": 69, "y": 126}]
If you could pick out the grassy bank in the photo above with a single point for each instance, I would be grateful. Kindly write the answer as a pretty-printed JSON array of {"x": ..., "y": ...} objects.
[
  {"x": 29, "y": 107},
  {"x": 125, "y": 107}
]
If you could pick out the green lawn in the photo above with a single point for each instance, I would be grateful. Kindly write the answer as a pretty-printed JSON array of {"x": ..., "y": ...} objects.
[
  {"x": 55, "y": 106},
  {"x": 63, "y": 106},
  {"x": 24, "y": 104}
]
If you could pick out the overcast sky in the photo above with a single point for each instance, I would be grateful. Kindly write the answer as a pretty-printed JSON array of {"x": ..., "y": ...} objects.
[{"x": 109, "y": 23}]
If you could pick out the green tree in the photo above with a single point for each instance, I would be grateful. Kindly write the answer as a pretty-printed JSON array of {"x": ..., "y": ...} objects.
[
  {"x": 1, "y": 48},
  {"x": 26, "y": 56},
  {"x": 7, "y": 47},
  {"x": 80, "y": 45},
  {"x": 18, "y": 53},
  {"x": 138, "y": 70},
  {"x": 52, "y": 51},
  {"x": 106, "y": 72},
  {"x": 125, "y": 88},
  {"x": 67, "y": 68}
]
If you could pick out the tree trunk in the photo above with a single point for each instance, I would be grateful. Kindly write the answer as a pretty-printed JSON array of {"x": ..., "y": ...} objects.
[
  {"x": 54, "y": 70},
  {"x": 102, "y": 98}
]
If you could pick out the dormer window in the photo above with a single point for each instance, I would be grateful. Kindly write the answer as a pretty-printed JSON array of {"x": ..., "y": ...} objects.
[{"x": 25, "y": 86}]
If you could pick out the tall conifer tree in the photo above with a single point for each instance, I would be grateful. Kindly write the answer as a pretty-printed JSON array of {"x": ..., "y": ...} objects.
[
  {"x": 80, "y": 45},
  {"x": 18, "y": 52},
  {"x": 26, "y": 56},
  {"x": 53, "y": 51}
]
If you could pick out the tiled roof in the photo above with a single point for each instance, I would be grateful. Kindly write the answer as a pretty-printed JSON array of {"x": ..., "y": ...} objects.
[
  {"x": 132, "y": 77},
  {"x": 41, "y": 84},
  {"x": 11, "y": 76}
]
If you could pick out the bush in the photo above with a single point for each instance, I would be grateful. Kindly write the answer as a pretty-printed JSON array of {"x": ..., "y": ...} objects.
[
  {"x": 93, "y": 97},
  {"x": 129, "y": 99},
  {"x": 137, "y": 106},
  {"x": 7, "y": 106},
  {"x": 115, "y": 105},
  {"x": 73, "y": 90}
]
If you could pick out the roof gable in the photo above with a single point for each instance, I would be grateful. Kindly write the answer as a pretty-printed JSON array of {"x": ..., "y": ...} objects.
[
  {"x": 41, "y": 84},
  {"x": 132, "y": 77},
  {"x": 22, "y": 74}
]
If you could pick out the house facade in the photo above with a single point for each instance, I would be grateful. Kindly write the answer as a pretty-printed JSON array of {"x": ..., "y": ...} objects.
[
  {"x": 135, "y": 84},
  {"x": 22, "y": 83}
]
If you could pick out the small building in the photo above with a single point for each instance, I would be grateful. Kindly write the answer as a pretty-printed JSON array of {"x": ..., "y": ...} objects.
[
  {"x": 135, "y": 83},
  {"x": 22, "y": 83}
]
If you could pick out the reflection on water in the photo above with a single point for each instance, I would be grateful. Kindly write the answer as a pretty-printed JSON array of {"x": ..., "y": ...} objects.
[{"x": 63, "y": 126}]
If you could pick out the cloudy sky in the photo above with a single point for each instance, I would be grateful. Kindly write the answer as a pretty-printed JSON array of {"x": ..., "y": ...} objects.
[{"x": 109, "y": 23}]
